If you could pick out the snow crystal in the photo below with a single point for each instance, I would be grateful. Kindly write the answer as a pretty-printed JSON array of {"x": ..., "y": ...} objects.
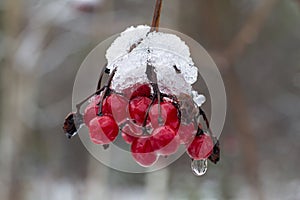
[
  {"x": 122, "y": 44},
  {"x": 168, "y": 42},
  {"x": 199, "y": 99},
  {"x": 166, "y": 52}
]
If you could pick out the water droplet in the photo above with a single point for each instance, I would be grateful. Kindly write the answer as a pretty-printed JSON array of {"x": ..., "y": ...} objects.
[{"x": 199, "y": 167}]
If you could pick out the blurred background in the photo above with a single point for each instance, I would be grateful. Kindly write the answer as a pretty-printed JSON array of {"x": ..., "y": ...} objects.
[{"x": 256, "y": 45}]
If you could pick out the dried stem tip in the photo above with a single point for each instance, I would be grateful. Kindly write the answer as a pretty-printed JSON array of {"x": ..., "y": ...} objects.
[{"x": 156, "y": 16}]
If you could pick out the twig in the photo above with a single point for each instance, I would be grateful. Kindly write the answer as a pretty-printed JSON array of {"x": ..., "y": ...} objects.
[
  {"x": 106, "y": 90},
  {"x": 78, "y": 106},
  {"x": 154, "y": 26},
  {"x": 152, "y": 77},
  {"x": 104, "y": 70},
  {"x": 156, "y": 16}
]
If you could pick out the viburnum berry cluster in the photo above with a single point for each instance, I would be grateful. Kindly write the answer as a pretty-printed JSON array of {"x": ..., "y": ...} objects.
[
  {"x": 149, "y": 120},
  {"x": 150, "y": 125},
  {"x": 148, "y": 99}
]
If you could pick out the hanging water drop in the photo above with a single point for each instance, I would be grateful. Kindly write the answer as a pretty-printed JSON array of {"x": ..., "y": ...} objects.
[{"x": 199, "y": 167}]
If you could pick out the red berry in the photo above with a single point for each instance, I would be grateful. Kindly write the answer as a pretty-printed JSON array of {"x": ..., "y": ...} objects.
[
  {"x": 138, "y": 108},
  {"x": 128, "y": 138},
  {"x": 142, "y": 91},
  {"x": 115, "y": 105},
  {"x": 130, "y": 132},
  {"x": 187, "y": 133},
  {"x": 168, "y": 114},
  {"x": 91, "y": 110},
  {"x": 201, "y": 147},
  {"x": 171, "y": 148},
  {"x": 103, "y": 129},
  {"x": 165, "y": 141},
  {"x": 143, "y": 152},
  {"x": 138, "y": 90}
]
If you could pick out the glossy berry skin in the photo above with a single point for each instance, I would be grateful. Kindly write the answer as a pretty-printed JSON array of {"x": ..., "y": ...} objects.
[
  {"x": 187, "y": 133},
  {"x": 116, "y": 105},
  {"x": 127, "y": 137},
  {"x": 103, "y": 129},
  {"x": 201, "y": 147},
  {"x": 165, "y": 141},
  {"x": 171, "y": 148},
  {"x": 142, "y": 151},
  {"x": 168, "y": 113},
  {"x": 130, "y": 132},
  {"x": 142, "y": 91},
  {"x": 138, "y": 108},
  {"x": 91, "y": 110},
  {"x": 138, "y": 90}
]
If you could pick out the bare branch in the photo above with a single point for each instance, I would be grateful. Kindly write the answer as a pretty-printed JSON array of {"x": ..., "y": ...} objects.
[{"x": 156, "y": 15}]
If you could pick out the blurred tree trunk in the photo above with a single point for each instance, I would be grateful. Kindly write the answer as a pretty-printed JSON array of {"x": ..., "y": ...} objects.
[
  {"x": 15, "y": 93},
  {"x": 10, "y": 127}
]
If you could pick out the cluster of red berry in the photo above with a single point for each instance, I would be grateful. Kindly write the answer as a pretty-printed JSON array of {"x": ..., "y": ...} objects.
[{"x": 151, "y": 125}]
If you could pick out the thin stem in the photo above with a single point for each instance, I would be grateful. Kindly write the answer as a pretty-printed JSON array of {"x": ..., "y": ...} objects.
[
  {"x": 104, "y": 70},
  {"x": 199, "y": 131},
  {"x": 156, "y": 16},
  {"x": 78, "y": 106},
  {"x": 98, "y": 91},
  {"x": 156, "y": 88},
  {"x": 154, "y": 26},
  {"x": 106, "y": 90},
  {"x": 147, "y": 111},
  {"x": 201, "y": 112},
  {"x": 152, "y": 77}
]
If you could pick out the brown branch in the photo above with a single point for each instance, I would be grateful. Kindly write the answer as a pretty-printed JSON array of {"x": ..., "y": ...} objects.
[
  {"x": 154, "y": 26},
  {"x": 156, "y": 16}
]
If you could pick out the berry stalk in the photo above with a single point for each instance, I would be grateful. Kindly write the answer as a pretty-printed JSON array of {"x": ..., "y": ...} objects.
[
  {"x": 78, "y": 106},
  {"x": 106, "y": 90},
  {"x": 152, "y": 77},
  {"x": 104, "y": 70}
]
